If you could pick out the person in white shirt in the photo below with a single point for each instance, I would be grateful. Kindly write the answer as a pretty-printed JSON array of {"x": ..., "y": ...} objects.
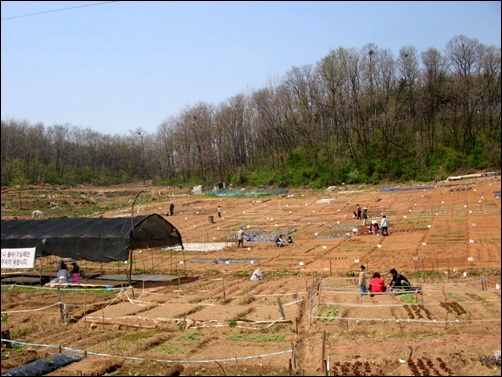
[
  {"x": 63, "y": 275},
  {"x": 257, "y": 275},
  {"x": 240, "y": 237},
  {"x": 384, "y": 226}
]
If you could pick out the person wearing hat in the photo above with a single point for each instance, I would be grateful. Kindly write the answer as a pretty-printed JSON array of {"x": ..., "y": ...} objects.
[
  {"x": 374, "y": 227},
  {"x": 257, "y": 275}
]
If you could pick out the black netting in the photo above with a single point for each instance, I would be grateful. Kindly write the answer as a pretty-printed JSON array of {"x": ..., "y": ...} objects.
[
  {"x": 95, "y": 239},
  {"x": 43, "y": 366}
]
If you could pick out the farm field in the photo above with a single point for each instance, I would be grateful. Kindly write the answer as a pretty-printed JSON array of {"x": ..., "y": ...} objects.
[{"x": 305, "y": 316}]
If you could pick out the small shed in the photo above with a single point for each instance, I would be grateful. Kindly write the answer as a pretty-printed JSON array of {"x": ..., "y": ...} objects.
[{"x": 91, "y": 239}]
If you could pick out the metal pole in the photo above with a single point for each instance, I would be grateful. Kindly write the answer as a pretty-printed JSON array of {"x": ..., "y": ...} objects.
[{"x": 132, "y": 235}]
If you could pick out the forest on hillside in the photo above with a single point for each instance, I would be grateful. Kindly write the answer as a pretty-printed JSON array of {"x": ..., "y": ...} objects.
[{"x": 355, "y": 116}]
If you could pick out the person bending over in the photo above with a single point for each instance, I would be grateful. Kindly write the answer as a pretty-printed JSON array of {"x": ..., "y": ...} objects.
[{"x": 398, "y": 281}]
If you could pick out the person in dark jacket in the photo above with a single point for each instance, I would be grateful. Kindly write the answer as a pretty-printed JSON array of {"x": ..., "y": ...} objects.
[
  {"x": 398, "y": 281},
  {"x": 75, "y": 272}
]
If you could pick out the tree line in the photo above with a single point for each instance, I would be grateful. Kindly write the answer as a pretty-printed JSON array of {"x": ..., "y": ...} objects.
[{"x": 355, "y": 116}]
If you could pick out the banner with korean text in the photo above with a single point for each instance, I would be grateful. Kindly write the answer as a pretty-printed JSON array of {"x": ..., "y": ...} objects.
[{"x": 18, "y": 258}]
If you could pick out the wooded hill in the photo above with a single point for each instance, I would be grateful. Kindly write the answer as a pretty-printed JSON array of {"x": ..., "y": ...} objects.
[{"x": 355, "y": 116}]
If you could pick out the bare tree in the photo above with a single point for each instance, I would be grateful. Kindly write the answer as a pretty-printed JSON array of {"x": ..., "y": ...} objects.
[
  {"x": 434, "y": 79},
  {"x": 464, "y": 55}
]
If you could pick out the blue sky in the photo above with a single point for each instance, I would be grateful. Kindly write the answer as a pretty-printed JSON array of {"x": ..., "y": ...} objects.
[{"x": 118, "y": 66}]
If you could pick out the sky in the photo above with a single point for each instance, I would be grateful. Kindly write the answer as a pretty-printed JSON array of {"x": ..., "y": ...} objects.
[{"x": 116, "y": 67}]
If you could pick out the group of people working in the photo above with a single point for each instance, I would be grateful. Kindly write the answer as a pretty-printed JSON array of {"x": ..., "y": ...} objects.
[
  {"x": 65, "y": 276},
  {"x": 279, "y": 242},
  {"x": 374, "y": 227},
  {"x": 378, "y": 286},
  {"x": 383, "y": 227}
]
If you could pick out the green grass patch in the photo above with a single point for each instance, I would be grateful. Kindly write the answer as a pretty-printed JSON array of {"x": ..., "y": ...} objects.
[
  {"x": 133, "y": 337},
  {"x": 455, "y": 297},
  {"x": 282, "y": 273},
  {"x": 191, "y": 336},
  {"x": 18, "y": 288},
  {"x": 268, "y": 338},
  {"x": 328, "y": 312},
  {"x": 408, "y": 297},
  {"x": 484, "y": 302},
  {"x": 426, "y": 275},
  {"x": 94, "y": 292},
  {"x": 402, "y": 335},
  {"x": 169, "y": 349}
]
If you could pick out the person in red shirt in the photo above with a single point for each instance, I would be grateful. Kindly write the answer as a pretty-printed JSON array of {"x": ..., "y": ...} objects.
[{"x": 377, "y": 285}]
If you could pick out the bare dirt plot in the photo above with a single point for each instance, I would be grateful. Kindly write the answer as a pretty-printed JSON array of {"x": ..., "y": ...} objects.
[{"x": 223, "y": 323}]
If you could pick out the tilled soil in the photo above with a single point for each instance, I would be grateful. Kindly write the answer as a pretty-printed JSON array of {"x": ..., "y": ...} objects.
[{"x": 306, "y": 314}]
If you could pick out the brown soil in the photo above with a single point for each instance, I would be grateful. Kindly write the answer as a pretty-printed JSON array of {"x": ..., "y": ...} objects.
[{"x": 445, "y": 240}]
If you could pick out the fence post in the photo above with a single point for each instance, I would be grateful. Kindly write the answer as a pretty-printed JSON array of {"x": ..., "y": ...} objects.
[
  {"x": 281, "y": 308},
  {"x": 323, "y": 362},
  {"x": 310, "y": 308}
]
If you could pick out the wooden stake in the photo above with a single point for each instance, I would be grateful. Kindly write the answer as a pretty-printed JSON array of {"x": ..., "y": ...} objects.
[
  {"x": 85, "y": 302},
  {"x": 224, "y": 293},
  {"x": 294, "y": 354},
  {"x": 184, "y": 261},
  {"x": 323, "y": 366},
  {"x": 61, "y": 311},
  {"x": 281, "y": 308}
]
